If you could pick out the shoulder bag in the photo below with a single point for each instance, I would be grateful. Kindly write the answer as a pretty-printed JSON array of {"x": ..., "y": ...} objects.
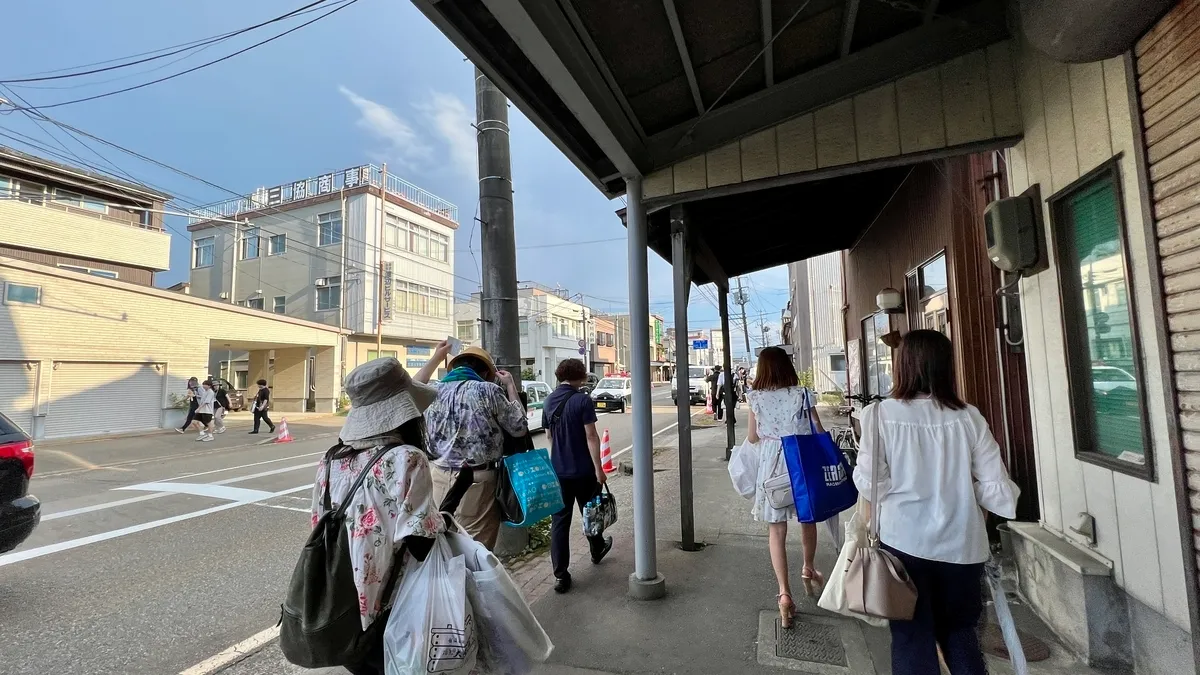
[{"x": 876, "y": 582}]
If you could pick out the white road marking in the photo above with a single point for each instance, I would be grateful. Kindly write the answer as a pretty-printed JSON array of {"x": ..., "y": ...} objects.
[
  {"x": 233, "y": 654},
  {"x": 21, "y": 556},
  {"x": 246, "y": 466},
  {"x": 286, "y": 508},
  {"x": 158, "y": 495},
  {"x": 233, "y": 494},
  {"x": 664, "y": 429}
]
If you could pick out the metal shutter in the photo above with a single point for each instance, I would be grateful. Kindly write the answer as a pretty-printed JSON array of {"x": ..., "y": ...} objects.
[
  {"x": 18, "y": 384},
  {"x": 1168, "y": 78},
  {"x": 103, "y": 398}
]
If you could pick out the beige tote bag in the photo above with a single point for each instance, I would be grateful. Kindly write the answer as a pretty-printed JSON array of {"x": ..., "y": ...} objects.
[{"x": 876, "y": 582}]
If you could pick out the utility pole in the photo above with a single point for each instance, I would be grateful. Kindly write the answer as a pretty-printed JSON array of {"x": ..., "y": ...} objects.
[
  {"x": 498, "y": 302},
  {"x": 233, "y": 262},
  {"x": 378, "y": 247},
  {"x": 742, "y": 298},
  {"x": 587, "y": 341}
]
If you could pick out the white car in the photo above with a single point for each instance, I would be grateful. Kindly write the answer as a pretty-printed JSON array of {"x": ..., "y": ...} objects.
[
  {"x": 697, "y": 386},
  {"x": 537, "y": 393},
  {"x": 1107, "y": 378},
  {"x": 613, "y": 394}
]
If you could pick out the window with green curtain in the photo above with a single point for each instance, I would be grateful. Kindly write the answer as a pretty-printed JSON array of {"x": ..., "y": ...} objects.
[{"x": 1106, "y": 390}]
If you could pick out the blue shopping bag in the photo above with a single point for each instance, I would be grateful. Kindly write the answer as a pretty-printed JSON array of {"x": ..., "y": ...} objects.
[
  {"x": 535, "y": 484},
  {"x": 821, "y": 483}
]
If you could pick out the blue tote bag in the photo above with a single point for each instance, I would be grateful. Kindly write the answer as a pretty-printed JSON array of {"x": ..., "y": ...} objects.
[
  {"x": 535, "y": 485},
  {"x": 821, "y": 483}
]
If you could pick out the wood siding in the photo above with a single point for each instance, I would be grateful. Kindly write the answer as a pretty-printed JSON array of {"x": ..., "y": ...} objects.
[
  {"x": 55, "y": 230},
  {"x": 1168, "y": 80},
  {"x": 940, "y": 208},
  {"x": 133, "y": 275}
]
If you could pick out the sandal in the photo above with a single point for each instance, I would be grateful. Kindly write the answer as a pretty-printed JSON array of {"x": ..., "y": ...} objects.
[
  {"x": 813, "y": 581},
  {"x": 787, "y": 609}
]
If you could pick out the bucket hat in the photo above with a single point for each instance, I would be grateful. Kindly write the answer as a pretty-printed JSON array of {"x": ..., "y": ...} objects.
[
  {"x": 382, "y": 397},
  {"x": 481, "y": 354}
]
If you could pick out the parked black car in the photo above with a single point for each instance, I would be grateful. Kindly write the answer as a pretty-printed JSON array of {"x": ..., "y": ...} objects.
[
  {"x": 237, "y": 399},
  {"x": 20, "y": 512}
]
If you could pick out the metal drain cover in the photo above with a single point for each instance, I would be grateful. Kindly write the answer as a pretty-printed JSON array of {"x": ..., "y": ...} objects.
[
  {"x": 812, "y": 642},
  {"x": 992, "y": 641}
]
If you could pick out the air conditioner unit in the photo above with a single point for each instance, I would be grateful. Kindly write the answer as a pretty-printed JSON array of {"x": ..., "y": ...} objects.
[
  {"x": 224, "y": 295},
  {"x": 320, "y": 282}
]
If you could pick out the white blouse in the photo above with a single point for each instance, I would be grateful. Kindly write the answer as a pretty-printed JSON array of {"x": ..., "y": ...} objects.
[{"x": 936, "y": 468}]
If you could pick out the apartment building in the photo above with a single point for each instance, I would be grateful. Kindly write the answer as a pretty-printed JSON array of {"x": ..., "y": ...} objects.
[
  {"x": 359, "y": 249},
  {"x": 553, "y": 328},
  {"x": 79, "y": 220},
  {"x": 604, "y": 346},
  {"x": 812, "y": 322}
]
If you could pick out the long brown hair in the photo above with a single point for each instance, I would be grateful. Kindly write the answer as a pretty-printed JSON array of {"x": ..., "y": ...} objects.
[
  {"x": 775, "y": 370},
  {"x": 925, "y": 367}
]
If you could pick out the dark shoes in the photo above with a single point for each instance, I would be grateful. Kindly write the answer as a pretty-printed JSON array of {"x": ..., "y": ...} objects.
[
  {"x": 562, "y": 584},
  {"x": 597, "y": 556},
  {"x": 254, "y": 432}
]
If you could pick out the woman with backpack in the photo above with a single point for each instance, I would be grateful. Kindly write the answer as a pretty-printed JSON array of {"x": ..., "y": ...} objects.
[{"x": 378, "y": 479}]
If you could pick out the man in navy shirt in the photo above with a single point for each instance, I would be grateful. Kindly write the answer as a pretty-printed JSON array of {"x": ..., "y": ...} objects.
[{"x": 570, "y": 417}]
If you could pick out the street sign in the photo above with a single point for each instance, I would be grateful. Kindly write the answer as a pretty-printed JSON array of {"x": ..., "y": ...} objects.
[
  {"x": 582, "y": 351},
  {"x": 699, "y": 344},
  {"x": 582, "y": 344}
]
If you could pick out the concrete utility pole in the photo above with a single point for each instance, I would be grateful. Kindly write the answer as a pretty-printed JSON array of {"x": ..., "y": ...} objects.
[
  {"x": 379, "y": 247},
  {"x": 498, "y": 301},
  {"x": 742, "y": 298}
]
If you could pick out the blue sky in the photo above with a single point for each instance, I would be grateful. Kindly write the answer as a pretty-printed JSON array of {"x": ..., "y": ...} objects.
[{"x": 372, "y": 83}]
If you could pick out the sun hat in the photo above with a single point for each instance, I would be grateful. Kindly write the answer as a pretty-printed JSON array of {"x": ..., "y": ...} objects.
[
  {"x": 479, "y": 353},
  {"x": 382, "y": 397}
]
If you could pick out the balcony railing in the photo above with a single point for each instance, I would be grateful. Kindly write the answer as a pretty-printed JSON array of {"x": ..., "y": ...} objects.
[{"x": 329, "y": 183}]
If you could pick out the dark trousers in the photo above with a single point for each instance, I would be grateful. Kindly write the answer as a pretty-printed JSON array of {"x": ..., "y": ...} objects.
[
  {"x": 576, "y": 492},
  {"x": 261, "y": 416},
  {"x": 191, "y": 416},
  {"x": 949, "y": 607},
  {"x": 719, "y": 404}
]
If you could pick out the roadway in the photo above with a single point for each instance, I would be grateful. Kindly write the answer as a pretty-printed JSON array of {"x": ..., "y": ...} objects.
[{"x": 156, "y": 552}]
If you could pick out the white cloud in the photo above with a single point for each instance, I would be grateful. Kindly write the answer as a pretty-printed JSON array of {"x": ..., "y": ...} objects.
[
  {"x": 404, "y": 144},
  {"x": 452, "y": 120}
]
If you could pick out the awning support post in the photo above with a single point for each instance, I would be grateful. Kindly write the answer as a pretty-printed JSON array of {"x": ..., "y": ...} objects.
[
  {"x": 723, "y": 301},
  {"x": 645, "y": 583},
  {"x": 681, "y": 262}
]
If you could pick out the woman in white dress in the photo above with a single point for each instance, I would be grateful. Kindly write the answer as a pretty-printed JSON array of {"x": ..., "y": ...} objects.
[{"x": 780, "y": 407}]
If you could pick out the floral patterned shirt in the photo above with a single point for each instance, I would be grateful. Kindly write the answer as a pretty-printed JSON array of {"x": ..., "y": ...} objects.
[
  {"x": 394, "y": 502},
  {"x": 467, "y": 421}
]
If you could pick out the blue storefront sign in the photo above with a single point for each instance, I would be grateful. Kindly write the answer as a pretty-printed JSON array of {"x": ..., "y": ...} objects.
[{"x": 699, "y": 344}]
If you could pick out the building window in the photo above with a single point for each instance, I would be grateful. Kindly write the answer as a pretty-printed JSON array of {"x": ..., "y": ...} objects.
[
  {"x": 277, "y": 244},
  {"x": 240, "y": 379},
  {"x": 250, "y": 243},
  {"x": 837, "y": 363},
  {"x": 22, "y": 294},
  {"x": 413, "y": 298},
  {"x": 523, "y": 327},
  {"x": 68, "y": 198},
  {"x": 927, "y": 296},
  {"x": 279, "y": 306},
  {"x": 202, "y": 252},
  {"x": 329, "y": 229},
  {"x": 329, "y": 293},
  {"x": 28, "y": 191},
  {"x": 466, "y": 331},
  {"x": 876, "y": 355},
  {"x": 253, "y": 303},
  {"x": 107, "y": 274},
  {"x": 372, "y": 354},
  {"x": 1104, "y": 377}
]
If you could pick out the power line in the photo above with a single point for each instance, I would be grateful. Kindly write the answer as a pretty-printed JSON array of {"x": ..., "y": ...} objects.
[
  {"x": 195, "y": 68},
  {"x": 182, "y": 48}
]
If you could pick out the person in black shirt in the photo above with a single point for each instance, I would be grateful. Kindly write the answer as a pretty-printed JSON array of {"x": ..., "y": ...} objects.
[
  {"x": 221, "y": 408},
  {"x": 570, "y": 418},
  {"x": 262, "y": 402}
]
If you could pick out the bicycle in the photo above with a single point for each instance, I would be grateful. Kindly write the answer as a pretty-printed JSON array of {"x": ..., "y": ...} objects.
[{"x": 847, "y": 438}]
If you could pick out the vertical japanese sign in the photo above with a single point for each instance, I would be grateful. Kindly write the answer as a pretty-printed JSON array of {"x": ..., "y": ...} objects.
[{"x": 387, "y": 291}]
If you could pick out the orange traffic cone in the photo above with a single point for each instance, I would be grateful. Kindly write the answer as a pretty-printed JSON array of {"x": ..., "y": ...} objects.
[
  {"x": 606, "y": 454},
  {"x": 708, "y": 409},
  {"x": 284, "y": 436}
]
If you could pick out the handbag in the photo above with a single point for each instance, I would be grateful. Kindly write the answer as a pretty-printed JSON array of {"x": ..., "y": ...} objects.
[
  {"x": 779, "y": 486},
  {"x": 600, "y": 513},
  {"x": 876, "y": 582},
  {"x": 535, "y": 484},
  {"x": 820, "y": 476},
  {"x": 833, "y": 598}
]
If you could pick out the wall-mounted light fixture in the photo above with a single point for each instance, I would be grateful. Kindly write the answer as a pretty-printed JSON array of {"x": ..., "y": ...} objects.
[{"x": 890, "y": 300}]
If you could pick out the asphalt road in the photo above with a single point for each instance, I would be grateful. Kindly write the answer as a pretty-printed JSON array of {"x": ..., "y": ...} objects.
[{"x": 157, "y": 552}]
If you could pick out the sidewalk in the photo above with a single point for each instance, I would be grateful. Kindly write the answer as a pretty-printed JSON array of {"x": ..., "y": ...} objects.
[{"x": 719, "y": 616}]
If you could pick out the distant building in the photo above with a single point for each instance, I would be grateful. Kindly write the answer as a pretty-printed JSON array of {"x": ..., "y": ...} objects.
[
  {"x": 553, "y": 328},
  {"x": 317, "y": 248},
  {"x": 604, "y": 346},
  {"x": 812, "y": 324}
]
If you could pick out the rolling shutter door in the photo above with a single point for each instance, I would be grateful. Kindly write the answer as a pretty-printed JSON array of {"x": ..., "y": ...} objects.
[
  {"x": 18, "y": 383},
  {"x": 102, "y": 398},
  {"x": 1168, "y": 79}
]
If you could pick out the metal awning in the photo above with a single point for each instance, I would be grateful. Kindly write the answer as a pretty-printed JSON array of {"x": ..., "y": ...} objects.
[{"x": 627, "y": 87}]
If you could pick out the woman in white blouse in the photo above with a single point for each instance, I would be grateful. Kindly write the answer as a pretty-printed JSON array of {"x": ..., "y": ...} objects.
[{"x": 938, "y": 469}]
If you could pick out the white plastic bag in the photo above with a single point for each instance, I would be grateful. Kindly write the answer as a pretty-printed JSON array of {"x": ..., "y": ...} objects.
[
  {"x": 833, "y": 598},
  {"x": 511, "y": 639},
  {"x": 1012, "y": 641},
  {"x": 743, "y": 469},
  {"x": 431, "y": 628}
]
